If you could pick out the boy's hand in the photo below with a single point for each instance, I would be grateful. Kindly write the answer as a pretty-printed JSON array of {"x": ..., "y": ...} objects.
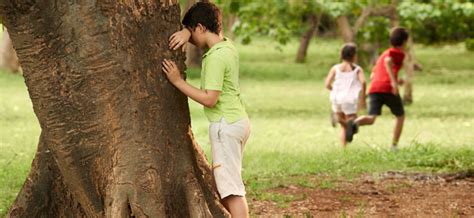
[
  {"x": 179, "y": 38},
  {"x": 401, "y": 81},
  {"x": 171, "y": 71},
  {"x": 395, "y": 89}
]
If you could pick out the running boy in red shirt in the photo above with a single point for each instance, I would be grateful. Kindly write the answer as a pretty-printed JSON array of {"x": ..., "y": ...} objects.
[{"x": 384, "y": 87}]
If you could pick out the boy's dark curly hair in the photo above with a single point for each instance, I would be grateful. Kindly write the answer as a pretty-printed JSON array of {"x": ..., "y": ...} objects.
[
  {"x": 205, "y": 13},
  {"x": 398, "y": 36}
]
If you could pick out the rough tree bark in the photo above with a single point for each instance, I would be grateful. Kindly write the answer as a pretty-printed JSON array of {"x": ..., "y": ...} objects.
[
  {"x": 8, "y": 58},
  {"x": 313, "y": 22},
  {"x": 116, "y": 138}
]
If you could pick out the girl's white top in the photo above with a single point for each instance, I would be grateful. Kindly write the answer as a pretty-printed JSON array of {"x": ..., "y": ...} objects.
[{"x": 346, "y": 86}]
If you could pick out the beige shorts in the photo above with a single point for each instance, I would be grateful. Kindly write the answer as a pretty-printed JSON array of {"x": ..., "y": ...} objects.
[
  {"x": 345, "y": 108},
  {"x": 227, "y": 144}
]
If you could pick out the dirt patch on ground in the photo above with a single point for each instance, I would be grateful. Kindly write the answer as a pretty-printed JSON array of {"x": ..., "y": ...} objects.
[{"x": 382, "y": 195}]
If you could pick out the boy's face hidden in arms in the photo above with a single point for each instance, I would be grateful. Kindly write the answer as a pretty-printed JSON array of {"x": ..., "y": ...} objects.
[{"x": 199, "y": 36}]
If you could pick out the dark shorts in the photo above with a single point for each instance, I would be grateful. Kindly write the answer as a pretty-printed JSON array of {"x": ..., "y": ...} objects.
[{"x": 394, "y": 102}]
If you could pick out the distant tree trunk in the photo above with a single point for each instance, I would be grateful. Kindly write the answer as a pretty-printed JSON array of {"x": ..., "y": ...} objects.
[
  {"x": 313, "y": 22},
  {"x": 395, "y": 20},
  {"x": 8, "y": 58},
  {"x": 193, "y": 56},
  {"x": 409, "y": 61},
  {"x": 229, "y": 21},
  {"x": 345, "y": 28},
  {"x": 116, "y": 139},
  {"x": 410, "y": 72},
  {"x": 349, "y": 32}
]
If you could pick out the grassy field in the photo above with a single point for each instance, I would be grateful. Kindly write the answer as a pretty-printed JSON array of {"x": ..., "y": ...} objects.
[{"x": 291, "y": 133}]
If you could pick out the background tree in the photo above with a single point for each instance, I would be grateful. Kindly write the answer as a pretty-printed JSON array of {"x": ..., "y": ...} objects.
[
  {"x": 310, "y": 12},
  {"x": 433, "y": 23},
  {"x": 8, "y": 58},
  {"x": 366, "y": 22},
  {"x": 116, "y": 138},
  {"x": 279, "y": 19}
]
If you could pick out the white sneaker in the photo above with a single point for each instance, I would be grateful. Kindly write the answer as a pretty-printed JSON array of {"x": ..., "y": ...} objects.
[{"x": 394, "y": 148}]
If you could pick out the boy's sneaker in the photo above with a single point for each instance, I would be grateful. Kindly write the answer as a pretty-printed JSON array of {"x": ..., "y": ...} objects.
[
  {"x": 351, "y": 130},
  {"x": 394, "y": 148}
]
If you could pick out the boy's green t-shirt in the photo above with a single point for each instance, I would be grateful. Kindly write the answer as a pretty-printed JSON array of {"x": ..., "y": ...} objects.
[{"x": 220, "y": 72}]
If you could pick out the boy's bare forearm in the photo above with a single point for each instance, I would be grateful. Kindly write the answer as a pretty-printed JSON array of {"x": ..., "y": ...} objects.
[
  {"x": 329, "y": 79},
  {"x": 179, "y": 38},
  {"x": 203, "y": 97},
  {"x": 364, "y": 89},
  {"x": 388, "y": 67},
  {"x": 328, "y": 84}
]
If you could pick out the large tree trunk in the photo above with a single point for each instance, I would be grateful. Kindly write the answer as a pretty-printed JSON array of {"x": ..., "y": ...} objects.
[
  {"x": 313, "y": 22},
  {"x": 8, "y": 58},
  {"x": 116, "y": 138}
]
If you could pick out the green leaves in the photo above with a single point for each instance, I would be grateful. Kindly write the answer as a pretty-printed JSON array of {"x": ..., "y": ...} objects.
[
  {"x": 429, "y": 21},
  {"x": 438, "y": 21},
  {"x": 279, "y": 19},
  {"x": 336, "y": 9}
]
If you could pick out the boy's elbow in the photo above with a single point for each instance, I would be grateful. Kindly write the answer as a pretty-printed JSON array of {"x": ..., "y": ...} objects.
[
  {"x": 210, "y": 103},
  {"x": 328, "y": 86}
]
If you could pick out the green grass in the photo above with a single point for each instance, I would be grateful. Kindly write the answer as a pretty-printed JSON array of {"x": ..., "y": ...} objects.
[
  {"x": 291, "y": 134},
  {"x": 19, "y": 132}
]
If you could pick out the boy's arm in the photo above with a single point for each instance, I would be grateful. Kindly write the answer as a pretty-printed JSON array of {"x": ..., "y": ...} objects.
[
  {"x": 207, "y": 98},
  {"x": 361, "y": 78},
  {"x": 393, "y": 81},
  {"x": 179, "y": 38},
  {"x": 330, "y": 78}
]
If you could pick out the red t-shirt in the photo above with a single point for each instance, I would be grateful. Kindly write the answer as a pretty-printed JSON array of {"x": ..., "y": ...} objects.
[{"x": 380, "y": 81}]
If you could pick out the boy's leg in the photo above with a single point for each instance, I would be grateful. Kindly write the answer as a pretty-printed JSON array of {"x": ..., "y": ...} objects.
[
  {"x": 350, "y": 111},
  {"x": 236, "y": 205},
  {"x": 349, "y": 119},
  {"x": 397, "y": 132},
  {"x": 342, "y": 120},
  {"x": 365, "y": 120},
  {"x": 227, "y": 143},
  {"x": 394, "y": 102},
  {"x": 376, "y": 101}
]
